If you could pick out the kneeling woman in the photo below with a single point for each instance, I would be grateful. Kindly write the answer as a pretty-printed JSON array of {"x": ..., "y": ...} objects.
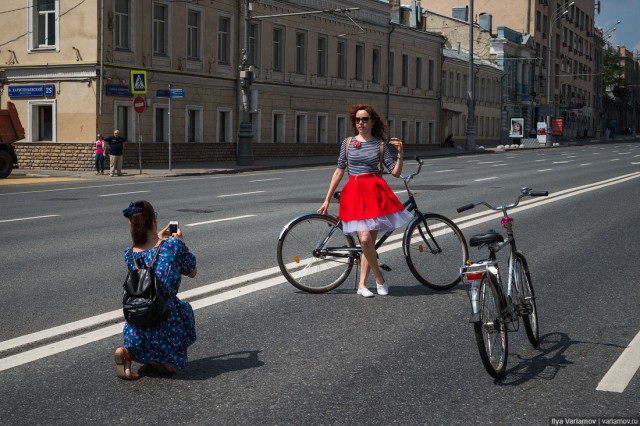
[
  {"x": 367, "y": 204},
  {"x": 164, "y": 346}
]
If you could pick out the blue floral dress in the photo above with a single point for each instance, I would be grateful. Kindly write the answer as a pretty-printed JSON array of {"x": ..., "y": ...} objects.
[{"x": 167, "y": 342}]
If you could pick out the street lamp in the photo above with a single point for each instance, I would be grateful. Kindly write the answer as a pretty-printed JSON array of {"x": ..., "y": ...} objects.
[{"x": 555, "y": 16}]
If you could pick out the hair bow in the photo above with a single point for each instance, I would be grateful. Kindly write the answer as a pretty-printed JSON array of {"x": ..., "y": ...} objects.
[{"x": 133, "y": 209}]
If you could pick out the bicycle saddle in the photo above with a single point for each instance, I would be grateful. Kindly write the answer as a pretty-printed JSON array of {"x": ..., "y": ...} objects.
[{"x": 488, "y": 237}]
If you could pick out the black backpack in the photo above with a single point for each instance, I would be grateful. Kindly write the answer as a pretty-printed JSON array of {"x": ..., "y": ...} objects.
[{"x": 142, "y": 301}]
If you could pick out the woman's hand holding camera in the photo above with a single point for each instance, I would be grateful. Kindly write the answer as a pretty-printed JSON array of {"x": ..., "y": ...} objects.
[{"x": 165, "y": 234}]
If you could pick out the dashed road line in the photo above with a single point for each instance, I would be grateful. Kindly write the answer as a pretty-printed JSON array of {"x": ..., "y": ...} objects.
[
  {"x": 623, "y": 369},
  {"x": 122, "y": 193},
  {"x": 220, "y": 220},
  {"x": 29, "y": 218},
  {"x": 240, "y": 194}
]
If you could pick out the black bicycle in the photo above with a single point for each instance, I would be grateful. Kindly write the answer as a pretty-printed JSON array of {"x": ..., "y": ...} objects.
[{"x": 315, "y": 256}]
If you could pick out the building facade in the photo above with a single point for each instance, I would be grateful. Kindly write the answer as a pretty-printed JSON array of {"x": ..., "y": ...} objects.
[{"x": 68, "y": 68}]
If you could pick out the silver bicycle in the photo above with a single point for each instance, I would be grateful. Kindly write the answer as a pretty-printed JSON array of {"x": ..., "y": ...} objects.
[{"x": 496, "y": 306}]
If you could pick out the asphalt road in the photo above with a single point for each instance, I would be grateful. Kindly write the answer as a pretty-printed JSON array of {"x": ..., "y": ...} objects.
[{"x": 269, "y": 354}]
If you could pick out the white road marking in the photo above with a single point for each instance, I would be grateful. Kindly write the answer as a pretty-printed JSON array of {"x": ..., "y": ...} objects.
[
  {"x": 122, "y": 193},
  {"x": 623, "y": 370},
  {"x": 264, "y": 180},
  {"x": 488, "y": 162},
  {"x": 221, "y": 220},
  {"x": 237, "y": 288},
  {"x": 543, "y": 159},
  {"x": 443, "y": 171},
  {"x": 29, "y": 218},
  {"x": 615, "y": 159},
  {"x": 585, "y": 164},
  {"x": 634, "y": 163},
  {"x": 498, "y": 165},
  {"x": 240, "y": 193},
  {"x": 562, "y": 162},
  {"x": 488, "y": 178},
  {"x": 544, "y": 170}
]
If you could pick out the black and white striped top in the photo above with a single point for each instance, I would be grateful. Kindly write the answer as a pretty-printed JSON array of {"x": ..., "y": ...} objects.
[{"x": 366, "y": 158}]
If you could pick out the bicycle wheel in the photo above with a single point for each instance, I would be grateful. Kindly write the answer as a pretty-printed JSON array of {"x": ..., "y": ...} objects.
[
  {"x": 435, "y": 249},
  {"x": 527, "y": 299},
  {"x": 490, "y": 330},
  {"x": 305, "y": 254}
]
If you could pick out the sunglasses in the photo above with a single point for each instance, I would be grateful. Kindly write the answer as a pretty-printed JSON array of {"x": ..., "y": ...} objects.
[{"x": 363, "y": 119}]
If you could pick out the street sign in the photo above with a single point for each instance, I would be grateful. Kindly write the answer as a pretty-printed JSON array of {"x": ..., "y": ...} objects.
[
  {"x": 139, "y": 105},
  {"x": 177, "y": 93},
  {"x": 138, "y": 82}
]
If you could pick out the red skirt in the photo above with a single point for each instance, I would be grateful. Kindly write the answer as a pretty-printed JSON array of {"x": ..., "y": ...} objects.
[{"x": 367, "y": 196}]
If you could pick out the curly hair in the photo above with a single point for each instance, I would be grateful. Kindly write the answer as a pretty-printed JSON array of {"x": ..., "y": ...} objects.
[{"x": 379, "y": 129}]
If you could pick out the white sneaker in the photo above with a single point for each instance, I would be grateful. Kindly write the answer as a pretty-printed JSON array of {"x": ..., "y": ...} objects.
[
  {"x": 365, "y": 292},
  {"x": 383, "y": 289}
]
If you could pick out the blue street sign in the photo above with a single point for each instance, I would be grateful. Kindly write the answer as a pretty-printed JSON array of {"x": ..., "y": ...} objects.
[
  {"x": 118, "y": 90},
  {"x": 38, "y": 90},
  {"x": 177, "y": 93},
  {"x": 162, "y": 93}
]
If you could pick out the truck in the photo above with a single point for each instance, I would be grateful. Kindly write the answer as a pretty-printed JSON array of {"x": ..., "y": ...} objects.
[{"x": 11, "y": 130}]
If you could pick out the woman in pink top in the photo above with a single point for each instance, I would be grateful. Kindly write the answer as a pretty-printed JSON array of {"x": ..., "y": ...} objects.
[{"x": 100, "y": 155}]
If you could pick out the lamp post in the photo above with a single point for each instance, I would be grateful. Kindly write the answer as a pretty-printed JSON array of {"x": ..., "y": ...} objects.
[
  {"x": 245, "y": 134},
  {"x": 555, "y": 16}
]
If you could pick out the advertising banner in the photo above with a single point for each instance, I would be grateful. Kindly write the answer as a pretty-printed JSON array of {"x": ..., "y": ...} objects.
[
  {"x": 516, "y": 127},
  {"x": 542, "y": 132}
]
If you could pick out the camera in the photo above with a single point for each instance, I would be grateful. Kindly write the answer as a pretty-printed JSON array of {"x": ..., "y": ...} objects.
[{"x": 173, "y": 227}]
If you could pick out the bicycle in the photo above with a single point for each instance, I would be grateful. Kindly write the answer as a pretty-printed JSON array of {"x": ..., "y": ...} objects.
[
  {"x": 494, "y": 312},
  {"x": 315, "y": 256}
]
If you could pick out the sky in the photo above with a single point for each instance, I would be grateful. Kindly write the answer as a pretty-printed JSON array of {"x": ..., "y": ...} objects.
[{"x": 627, "y": 32}]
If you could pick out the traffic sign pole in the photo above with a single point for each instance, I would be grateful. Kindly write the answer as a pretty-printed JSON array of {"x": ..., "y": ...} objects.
[{"x": 139, "y": 106}]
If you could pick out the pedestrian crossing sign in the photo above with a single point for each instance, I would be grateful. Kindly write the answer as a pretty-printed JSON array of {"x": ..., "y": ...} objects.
[{"x": 138, "y": 82}]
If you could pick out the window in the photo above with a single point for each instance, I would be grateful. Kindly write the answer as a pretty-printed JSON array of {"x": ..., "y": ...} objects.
[
  {"x": 124, "y": 119},
  {"x": 301, "y": 127},
  {"x": 253, "y": 44},
  {"x": 418, "y": 133},
  {"x": 404, "y": 130},
  {"x": 193, "y": 124},
  {"x": 432, "y": 132},
  {"x": 341, "y": 128},
  {"x": 458, "y": 93},
  {"x": 43, "y": 24},
  {"x": 193, "y": 34},
  {"x": 322, "y": 56},
  {"x": 418, "y": 73},
  {"x": 392, "y": 126},
  {"x": 121, "y": 24},
  {"x": 359, "y": 62},
  {"x": 42, "y": 121},
  {"x": 321, "y": 128},
  {"x": 444, "y": 83},
  {"x": 405, "y": 70},
  {"x": 451, "y": 82},
  {"x": 375, "y": 66},
  {"x": 278, "y": 49},
  {"x": 161, "y": 123},
  {"x": 392, "y": 61},
  {"x": 432, "y": 69},
  {"x": 301, "y": 53},
  {"x": 159, "y": 29},
  {"x": 225, "y": 134},
  {"x": 277, "y": 126},
  {"x": 224, "y": 40},
  {"x": 341, "y": 50}
]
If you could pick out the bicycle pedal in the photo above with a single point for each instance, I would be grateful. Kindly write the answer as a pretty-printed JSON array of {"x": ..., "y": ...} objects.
[
  {"x": 385, "y": 267},
  {"x": 524, "y": 309}
]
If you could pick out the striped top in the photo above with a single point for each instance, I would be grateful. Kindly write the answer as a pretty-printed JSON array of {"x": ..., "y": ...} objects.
[{"x": 366, "y": 158}]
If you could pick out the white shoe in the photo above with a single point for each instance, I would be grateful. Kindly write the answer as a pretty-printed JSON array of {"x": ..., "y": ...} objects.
[
  {"x": 365, "y": 292},
  {"x": 383, "y": 289}
]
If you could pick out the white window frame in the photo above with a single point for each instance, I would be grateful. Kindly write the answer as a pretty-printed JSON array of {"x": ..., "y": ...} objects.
[
  {"x": 253, "y": 55},
  {"x": 322, "y": 55},
  {"x": 198, "y": 126},
  {"x": 165, "y": 28},
  {"x": 34, "y": 27},
  {"x": 322, "y": 127},
  {"x": 117, "y": 17},
  {"x": 34, "y": 119},
  {"x": 301, "y": 131},
  {"x": 130, "y": 128},
  {"x": 198, "y": 31},
  {"x": 224, "y": 55},
  {"x": 279, "y": 117},
  {"x": 227, "y": 125},
  {"x": 277, "y": 47},
  {"x": 301, "y": 51},
  {"x": 165, "y": 122}
]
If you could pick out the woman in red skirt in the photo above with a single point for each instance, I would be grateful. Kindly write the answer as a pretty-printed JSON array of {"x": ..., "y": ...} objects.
[{"x": 367, "y": 204}]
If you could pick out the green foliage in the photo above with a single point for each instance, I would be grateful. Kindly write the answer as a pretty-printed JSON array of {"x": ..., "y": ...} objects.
[{"x": 612, "y": 73}]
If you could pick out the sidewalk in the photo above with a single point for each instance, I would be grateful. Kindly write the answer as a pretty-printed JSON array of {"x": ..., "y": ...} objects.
[{"x": 224, "y": 167}]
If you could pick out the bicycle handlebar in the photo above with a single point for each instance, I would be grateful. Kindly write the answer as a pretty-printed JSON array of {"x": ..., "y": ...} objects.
[
  {"x": 524, "y": 192},
  {"x": 412, "y": 175}
]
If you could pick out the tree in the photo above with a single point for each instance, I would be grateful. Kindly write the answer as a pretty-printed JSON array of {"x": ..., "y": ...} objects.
[{"x": 612, "y": 72}]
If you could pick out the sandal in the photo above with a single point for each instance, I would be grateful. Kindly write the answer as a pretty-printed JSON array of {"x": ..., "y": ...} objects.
[{"x": 123, "y": 364}]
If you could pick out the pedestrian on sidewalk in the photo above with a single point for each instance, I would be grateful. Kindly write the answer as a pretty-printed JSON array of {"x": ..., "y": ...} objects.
[
  {"x": 100, "y": 149},
  {"x": 163, "y": 347},
  {"x": 367, "y": 204},
  {"x": 115, "y": 147}
]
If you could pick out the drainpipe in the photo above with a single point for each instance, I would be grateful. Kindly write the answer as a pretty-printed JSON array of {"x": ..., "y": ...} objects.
[
  {"x": 101, "y": 56},
  {"x": 393, "y": 27}
]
